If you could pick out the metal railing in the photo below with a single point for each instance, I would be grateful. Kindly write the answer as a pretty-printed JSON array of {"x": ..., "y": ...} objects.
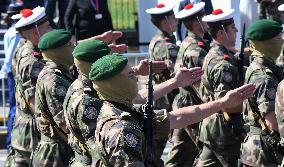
[{"x": 123, "y": 13}]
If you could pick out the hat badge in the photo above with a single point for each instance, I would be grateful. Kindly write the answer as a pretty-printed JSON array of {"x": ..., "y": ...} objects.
[
  {"x": 217, "y": 12},
  {"x": 26, "y": 12},
  {"x": 160, "y": 5},
  {"x": 188, "y": 6}
]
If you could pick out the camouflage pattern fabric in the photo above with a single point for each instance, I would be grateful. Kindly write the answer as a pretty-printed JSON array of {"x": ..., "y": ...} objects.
[
  {"x": 280, "y": 60},
  {"x": 119, "y": 137},
  {"x": 279, "y": 110},
  {"x": 269, "y": 10},
  {"x": 163, "y": 48},
  {"x": 51, "y": 89},
  {"x": 81, "y": 108},
  {"x": 25, "y": 136},
  {"x": 192, "y": 52},
  {"x": 266, "y": 76},
  {"x": 220, "y": 136}
]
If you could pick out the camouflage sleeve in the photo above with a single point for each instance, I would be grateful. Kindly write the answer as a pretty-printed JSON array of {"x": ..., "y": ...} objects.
[
  {"x": 194, "y": 57},
  {"x": 29, "y": 69},
  {"x": 265, "y": 95},
  {"x": 161, "y": 124},
  {"x": 124, "y": 144},
  {"x": 55, "y": 92},
  {"x": 279, "y": 107},
  {"x": 88, "y": 110},
  {"x": 225, "y": 78}
]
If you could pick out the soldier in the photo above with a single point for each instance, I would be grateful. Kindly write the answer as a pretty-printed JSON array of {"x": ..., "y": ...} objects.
[
  {"x": 81, "y": 104},
  {"x": 163, "y": 48},
  {"x": 51, "y": 88},
  {"x": 192, "y": 51},
  {"x": 279, "y": 111},
  {"x": 266, "y": 43},
  {"x": 268, "y": 10},
  {"x": 220, "y": 133},
  {"x": 119, "y": 136},
  {"x": 25, "y": 136}
]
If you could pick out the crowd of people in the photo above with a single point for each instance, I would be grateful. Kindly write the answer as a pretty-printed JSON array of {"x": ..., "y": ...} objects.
[{"x": 78, "y": 103}]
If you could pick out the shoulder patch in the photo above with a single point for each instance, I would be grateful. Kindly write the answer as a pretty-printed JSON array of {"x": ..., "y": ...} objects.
[
  {"x": 61, "y": 91},
  {"x": 131, "y": 140},
  {"x": 271, "y": 93},
  {"x": 91, "y": 112},
  {"x": 227, "y": 77},
  {"x": 173, "y": 52}
]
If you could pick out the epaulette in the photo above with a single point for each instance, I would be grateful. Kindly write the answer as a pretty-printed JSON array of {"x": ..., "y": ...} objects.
[{"x": 227, "y": 57}]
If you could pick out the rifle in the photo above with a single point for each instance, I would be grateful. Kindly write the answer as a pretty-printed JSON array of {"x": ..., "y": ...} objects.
[
  {"x": 241, "y": 56},
  {"x": 148, "y": 120}
]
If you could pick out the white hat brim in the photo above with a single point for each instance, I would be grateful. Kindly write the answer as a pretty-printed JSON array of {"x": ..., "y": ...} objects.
[
  {"x": 188, "y": 12},
  {"x": 228, "y": 14},
  {"x": 163, "y": 10},
  {"x": 38, "y": 13},
  {"x": 16, "y": 17}
]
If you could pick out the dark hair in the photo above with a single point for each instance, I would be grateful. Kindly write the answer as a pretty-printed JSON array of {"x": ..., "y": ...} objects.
[
  {"x": 157, "y": 22},
  {"x": 215, "y": 27},
  {"x": 188, "y": 21}
]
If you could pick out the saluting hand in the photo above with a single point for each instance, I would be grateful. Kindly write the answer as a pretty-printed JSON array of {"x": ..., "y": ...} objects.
[
  {"x": 185, "y": 77},
  {"x": 236, "y": 96},
  {"x": 143, "y": 67},
  {"x": 122, "y": 48}
]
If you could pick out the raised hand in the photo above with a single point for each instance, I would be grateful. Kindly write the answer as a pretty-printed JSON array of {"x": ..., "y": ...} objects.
[
  {"x": 236, "y": 96},
  {"x": 185, "y": 77},
  {"x": 143, "y": 67}
]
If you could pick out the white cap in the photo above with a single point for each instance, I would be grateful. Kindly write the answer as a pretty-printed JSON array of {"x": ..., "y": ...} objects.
[
  {"x": 16, "y": 17},
  {"x": 219, "y": 15},
  {"x": 160, "y": 9},
  {"x": 30, "y": 16},
  {"x": 281, "y": 8},
  {"x": 189, "y": 10}
]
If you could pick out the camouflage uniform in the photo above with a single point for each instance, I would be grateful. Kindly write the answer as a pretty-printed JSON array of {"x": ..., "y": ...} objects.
[
  {"x": 27, "y": 70},
  {"x": 163, "y": 48},
  {"x": 221, "y": 136},
  {"x": 51, "y": 89},
  {"x": 279, "y": 110},
  {"x": 120, "y": 140},
  {"x": 266, "y": 76},
  {"x": 192, "y": 52},
  {"x": 269, "y": 10},
  {"x": 81, "y": 107}
]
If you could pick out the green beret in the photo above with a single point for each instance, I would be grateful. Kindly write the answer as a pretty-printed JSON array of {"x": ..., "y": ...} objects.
[
  {"x": 264, "y": 29},
  {"x": 91, "y": 50},
  {"x": 54, "y": 39},
  {"x": 107, "y": 67}
]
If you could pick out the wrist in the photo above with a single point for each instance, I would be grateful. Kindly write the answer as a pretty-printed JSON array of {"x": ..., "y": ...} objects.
[
  {"x": 173, "y": 83},
  {"x": 221, "y": 103}
]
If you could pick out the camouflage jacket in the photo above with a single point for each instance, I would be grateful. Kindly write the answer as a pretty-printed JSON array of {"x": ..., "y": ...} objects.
[
  {"x": 269, "y": 10},
  {"x": 192, "y": 52},
  {"x": 279, "y": 108},
  {"x": 27, "y": 70},
  {"x": 81, "y": 108},
  {"x": 51, "y": 88},
  {"x": 120, "y": 140},
  {"x": 163, "y": 48},
  {"x": 220, "y": 76},
  {"x": 266, "y": 76}
]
